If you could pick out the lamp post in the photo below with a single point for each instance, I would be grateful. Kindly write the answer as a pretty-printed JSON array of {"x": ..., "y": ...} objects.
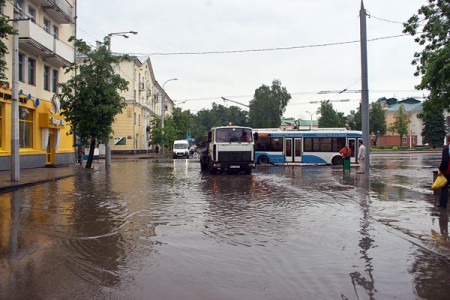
[
  {"x": 310, "y": 124},
  {"x": 163, "y": 113},
  {"x": 124, "y": 34},
  {"x": 110, "y": 35}
]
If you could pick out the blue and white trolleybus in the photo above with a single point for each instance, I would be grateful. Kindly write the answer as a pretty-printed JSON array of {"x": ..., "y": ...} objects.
[{"x": 316, "y": 146}]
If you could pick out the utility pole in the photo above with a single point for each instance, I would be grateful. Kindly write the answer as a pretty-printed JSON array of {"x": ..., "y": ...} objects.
[
  {"x": 15, "y": 156},
  {"x": 364, "y": 87}
]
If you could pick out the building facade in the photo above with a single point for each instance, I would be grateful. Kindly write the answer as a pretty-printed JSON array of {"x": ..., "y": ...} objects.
[
  {"x": 43, "y": 33},
  {"x": 145, "y": 97},
  {"x": 412, "y": 107}
]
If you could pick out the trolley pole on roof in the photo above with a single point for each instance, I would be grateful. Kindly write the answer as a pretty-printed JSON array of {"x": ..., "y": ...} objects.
[{"x": 364, "y": 87}]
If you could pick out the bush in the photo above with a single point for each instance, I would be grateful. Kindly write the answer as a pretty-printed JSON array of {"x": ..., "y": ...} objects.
[{"x": 395, "y": 148}]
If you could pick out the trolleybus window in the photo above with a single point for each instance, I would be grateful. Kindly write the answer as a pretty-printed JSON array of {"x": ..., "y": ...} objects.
[{"x": 325, "y": 144}]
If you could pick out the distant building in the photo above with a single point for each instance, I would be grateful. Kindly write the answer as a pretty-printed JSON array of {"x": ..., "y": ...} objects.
[
  {"x": 413, "y": 107},
  {"x": 132, "y": 128}
]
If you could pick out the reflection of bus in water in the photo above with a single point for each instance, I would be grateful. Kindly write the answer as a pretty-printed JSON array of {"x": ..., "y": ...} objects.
[{"x": 316, "y": 146}]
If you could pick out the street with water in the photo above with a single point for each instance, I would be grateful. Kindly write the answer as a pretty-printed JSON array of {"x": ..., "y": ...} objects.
[{"x": 162, "y": 229}]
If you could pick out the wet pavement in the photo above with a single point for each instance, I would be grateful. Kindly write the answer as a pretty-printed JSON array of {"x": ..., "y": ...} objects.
[{"x": 161, "y": 229}]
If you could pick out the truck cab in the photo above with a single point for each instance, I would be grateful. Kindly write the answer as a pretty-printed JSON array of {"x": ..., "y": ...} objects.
[{"x": 230, "y": 148}]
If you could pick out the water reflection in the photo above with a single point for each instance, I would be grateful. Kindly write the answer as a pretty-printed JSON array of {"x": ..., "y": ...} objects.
[{"x": 165, "y": 229}]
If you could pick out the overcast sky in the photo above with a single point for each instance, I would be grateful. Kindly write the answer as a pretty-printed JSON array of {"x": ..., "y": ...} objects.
[{"x": 321, "y": 37}]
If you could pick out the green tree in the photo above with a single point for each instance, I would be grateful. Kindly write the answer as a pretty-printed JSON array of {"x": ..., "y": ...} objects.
[
  {"x": 218, "y": 115},
  {"x": 354, "y": 120},
  {"x": 330, "y": 118},
  {"x": 434, "y": 128},
  {"x": 90, "y": 100},
  {"x": 377, "y": 121},
  {"x": 268, "y": 105},
  {"x": 183, "y": 122},
  {"x": 5, "y": 30},
  {"x": 401, "y": 121},
  {"x": 166, "y": 136},
  {"x": 431, "y": 26}
]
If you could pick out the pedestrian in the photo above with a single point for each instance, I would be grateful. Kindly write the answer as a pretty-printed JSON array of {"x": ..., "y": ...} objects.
[
  {"x": 444, "y": 169},
  {"x": 80, "y": 154},
  {"x": 157, "y": 149},
  {"x": 346, "y": 152},
  {"x": 361, "y": 157}
]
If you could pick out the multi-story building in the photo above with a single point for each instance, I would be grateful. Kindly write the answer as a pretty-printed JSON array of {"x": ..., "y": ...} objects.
[
  {"x": 412, "y": 107},
  {"x": 132, "y": 128},
  {"x": 43, "y": 33}
]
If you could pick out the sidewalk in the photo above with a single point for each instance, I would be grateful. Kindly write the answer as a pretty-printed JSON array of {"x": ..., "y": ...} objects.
[{"x": 34, "y": 176}]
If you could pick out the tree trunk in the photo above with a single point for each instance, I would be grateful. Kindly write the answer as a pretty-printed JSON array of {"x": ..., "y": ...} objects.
[{"x": 91, "y": 154}]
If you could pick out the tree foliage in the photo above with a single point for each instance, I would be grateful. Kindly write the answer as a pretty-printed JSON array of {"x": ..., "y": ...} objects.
[
  {"x": 90, "y": 100},
  {"x": 433, "y": 131},
  {"x": 5, "y": 30},
  {"x": 268, "y": 105},
  {"x": 183, "y": 123},
  {"x": 377, "y": 120},
  {"x": 329, "y": 117},
  {"x": 431, "y": 26},
  {"x": 166, "y": 136},
  {"x": 400, "y": 124}
]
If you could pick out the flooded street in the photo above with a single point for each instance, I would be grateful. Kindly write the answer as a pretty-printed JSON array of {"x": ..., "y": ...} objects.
[{"x": 161, "y": 229}]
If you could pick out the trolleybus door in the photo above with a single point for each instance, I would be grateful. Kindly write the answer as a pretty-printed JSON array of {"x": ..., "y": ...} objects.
[
  {"x": 293, "y": 149},
  {"x": 297, "y": 150},
  {"x": 288, "y": 150}
]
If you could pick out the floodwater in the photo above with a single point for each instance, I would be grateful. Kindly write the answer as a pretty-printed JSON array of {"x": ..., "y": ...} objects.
[{"x": 161, "y": 229}]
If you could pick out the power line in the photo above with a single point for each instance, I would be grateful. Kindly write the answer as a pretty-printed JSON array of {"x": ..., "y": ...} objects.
[{"x": 264, "y": 49}]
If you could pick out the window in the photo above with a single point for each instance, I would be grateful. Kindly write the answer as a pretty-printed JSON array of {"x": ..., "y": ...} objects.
[
  {"x": 32, "y": 13},
  {"x": 25, "y": 127},
  {"x": 31, "y": 71},
  {"x": 19, "y": 4},
  {"x": 55, "y": 32},
  {"x": 54, "y": 81},
  {"x": 323, "y": 144},
  {"x": 21, "y": 66},
  {"x": 47, "y": 25},
  {"x": 266, "y": 143},
  {"x": 47, "y": 78}
]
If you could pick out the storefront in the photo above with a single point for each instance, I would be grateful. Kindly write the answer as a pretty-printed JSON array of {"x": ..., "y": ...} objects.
[{"x": 44, "y": 135}]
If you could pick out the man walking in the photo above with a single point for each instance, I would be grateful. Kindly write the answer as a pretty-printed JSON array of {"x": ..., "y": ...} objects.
[{"x": 361, "y": 157}]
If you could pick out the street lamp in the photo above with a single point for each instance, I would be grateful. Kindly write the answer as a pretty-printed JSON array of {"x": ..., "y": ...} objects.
[
  {"x": 163, "y": 112},
  {"x": 110, "y": 35},
  {"x": 124, "y": 34},
  {"x": 310, "y": 124}
]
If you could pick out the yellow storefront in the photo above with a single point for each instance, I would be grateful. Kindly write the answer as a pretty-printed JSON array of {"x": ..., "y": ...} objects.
[{"x": 44, "y": 137}]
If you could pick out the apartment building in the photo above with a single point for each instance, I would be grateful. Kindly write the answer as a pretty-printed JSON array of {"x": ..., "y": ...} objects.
[
  {"x": 44, "y": 28},
  {"x": 145, "y": 97}
]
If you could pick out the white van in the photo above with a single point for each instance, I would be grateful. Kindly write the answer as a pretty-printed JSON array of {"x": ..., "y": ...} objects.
[{"x": 180, "y": 148}]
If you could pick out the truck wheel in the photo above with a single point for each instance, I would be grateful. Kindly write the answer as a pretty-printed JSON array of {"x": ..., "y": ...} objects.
[{"x": 263, "y": 160}]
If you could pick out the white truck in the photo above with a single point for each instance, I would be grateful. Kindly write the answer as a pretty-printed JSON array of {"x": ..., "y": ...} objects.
[
  {"x": 230, "y": 148},
  {"x": 180, "y": 149}
]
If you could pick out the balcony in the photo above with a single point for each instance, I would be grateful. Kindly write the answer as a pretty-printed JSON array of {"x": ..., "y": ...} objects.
[
  {"x": 60, "y": 10},
  {"x": 37, "y": 41}
]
